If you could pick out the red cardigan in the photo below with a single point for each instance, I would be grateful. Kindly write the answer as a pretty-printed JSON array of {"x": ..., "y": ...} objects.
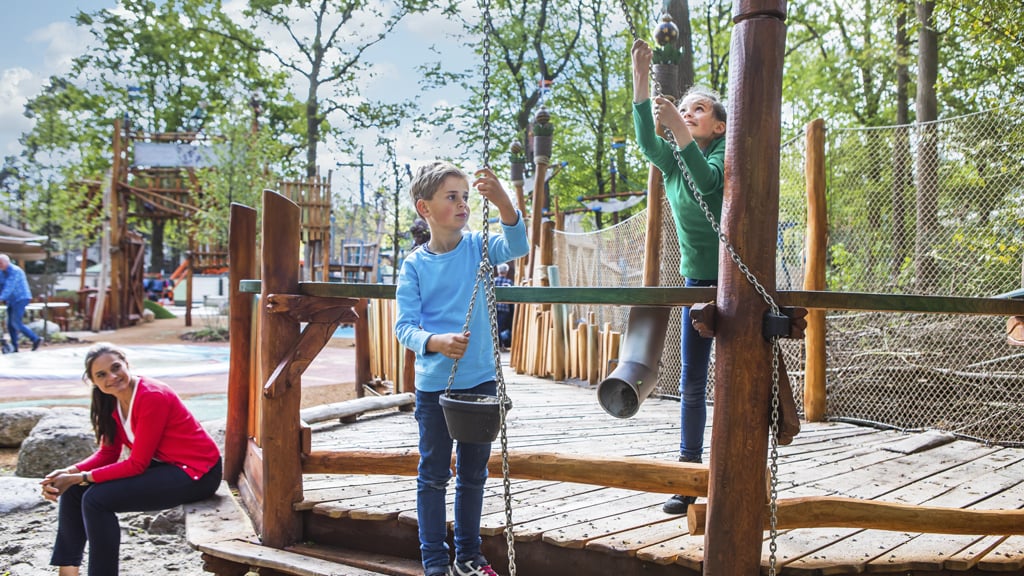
[{"x": 164, "y": 429}]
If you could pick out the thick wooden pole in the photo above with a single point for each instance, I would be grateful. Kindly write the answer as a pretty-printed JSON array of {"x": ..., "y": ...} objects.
[
  {"x": 652, "y": 245},
  {"x": 241, "y": 266},
  {"x": 118, "y": 225},
  {"x": 739, "y": 438},
  {"x": 362, "y": 329},
  {"x": 280, "y": 434},
  {"x": 814, "y": 271}
]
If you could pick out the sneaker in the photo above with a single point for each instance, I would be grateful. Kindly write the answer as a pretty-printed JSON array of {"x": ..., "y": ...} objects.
[
  {"x": 441, "y": 572},
  {"x": 678, "y": 504},
  {"x": 478, "y": 566},
  {"x": 35, "y": 345}
]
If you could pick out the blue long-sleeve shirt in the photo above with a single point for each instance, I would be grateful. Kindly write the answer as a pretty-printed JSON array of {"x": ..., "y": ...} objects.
[
  {"x": 433, "y": 295},
  {"x": 14, "y": 285}
]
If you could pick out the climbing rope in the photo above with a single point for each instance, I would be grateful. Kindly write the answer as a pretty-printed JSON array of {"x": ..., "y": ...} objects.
[
  {"x": 760, "y": 289},
  {"x": 485, "y": 277}
]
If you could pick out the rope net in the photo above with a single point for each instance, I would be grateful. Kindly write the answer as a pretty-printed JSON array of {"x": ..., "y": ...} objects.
[{"x": 892, "y": 229}]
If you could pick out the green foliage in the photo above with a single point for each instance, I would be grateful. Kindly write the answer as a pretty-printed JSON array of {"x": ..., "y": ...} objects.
[
  {"x": 159, "y": 312},
  {"x": 667, "y": 54}
]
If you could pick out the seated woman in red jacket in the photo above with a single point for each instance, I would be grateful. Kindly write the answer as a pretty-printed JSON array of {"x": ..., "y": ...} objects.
[{"x": 172, "y": 461}]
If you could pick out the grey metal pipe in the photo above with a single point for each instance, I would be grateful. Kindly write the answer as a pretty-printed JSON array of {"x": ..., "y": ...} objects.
[{"x": 636, "y": 374}]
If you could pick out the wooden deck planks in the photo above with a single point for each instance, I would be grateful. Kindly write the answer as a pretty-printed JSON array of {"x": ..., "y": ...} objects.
[{"x": 825, "y": 459}]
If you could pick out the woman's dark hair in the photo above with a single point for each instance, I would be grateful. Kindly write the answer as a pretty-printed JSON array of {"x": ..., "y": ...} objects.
[{"x": 103, "y": 404}]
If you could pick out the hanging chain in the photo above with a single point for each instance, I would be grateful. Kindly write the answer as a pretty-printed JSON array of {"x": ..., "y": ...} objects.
[
  {"x": 758, "y": 287},
  {"x": 773, "y": 469}
]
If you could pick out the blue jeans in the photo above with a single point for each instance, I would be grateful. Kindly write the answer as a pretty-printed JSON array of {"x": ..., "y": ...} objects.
[
  {"x": 89, "y": 513},
  {"x": 693, "y": 383},
  {"x": 15, "y": 313},
  {"x": 431, "y": 482}
]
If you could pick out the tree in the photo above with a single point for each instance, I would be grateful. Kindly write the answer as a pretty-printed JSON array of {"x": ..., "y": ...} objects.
[
  {"x": 326, "y": 42},
  {"x": 927, "y": 160},
  {"x": 150, "y": 65}
]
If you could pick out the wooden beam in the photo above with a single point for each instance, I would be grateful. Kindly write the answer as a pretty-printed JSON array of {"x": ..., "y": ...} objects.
[
  {"x": 641, "y": 474},
  {"x": 838, "y": 512},
  {"x": 679, "y": 296},
  {"x": 242, "y": 258},
  {"x": 280, "y": 434}
]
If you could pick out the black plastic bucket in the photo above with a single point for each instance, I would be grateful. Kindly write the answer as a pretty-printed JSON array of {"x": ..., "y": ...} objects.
[{"x": 473, "y": 418}]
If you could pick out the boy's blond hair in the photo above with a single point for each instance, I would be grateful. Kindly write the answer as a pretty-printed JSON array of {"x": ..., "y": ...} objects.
[{"x": 430, "y": 177}]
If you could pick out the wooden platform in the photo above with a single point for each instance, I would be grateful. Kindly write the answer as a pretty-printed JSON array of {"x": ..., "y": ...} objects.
[{"x": 566, "y": 528}]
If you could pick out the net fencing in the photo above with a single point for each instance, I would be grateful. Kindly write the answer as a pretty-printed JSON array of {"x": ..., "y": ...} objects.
[{"x": 933, "y": 209}]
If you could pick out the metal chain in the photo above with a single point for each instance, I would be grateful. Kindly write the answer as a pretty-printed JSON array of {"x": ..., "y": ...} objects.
[
  {"x": 758, "y": 287},
  {"x": 773, "y": 438}
]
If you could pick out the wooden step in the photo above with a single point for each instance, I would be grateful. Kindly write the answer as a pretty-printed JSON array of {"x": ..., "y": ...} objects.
[{"x": 220, "y": 529}]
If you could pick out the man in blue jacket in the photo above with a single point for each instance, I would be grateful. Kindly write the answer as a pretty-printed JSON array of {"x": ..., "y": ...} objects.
[{"x": 17, "y": 294}]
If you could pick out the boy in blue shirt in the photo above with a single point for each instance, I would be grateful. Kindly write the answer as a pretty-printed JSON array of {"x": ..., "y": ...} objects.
[{"x": 433, "y": 294}]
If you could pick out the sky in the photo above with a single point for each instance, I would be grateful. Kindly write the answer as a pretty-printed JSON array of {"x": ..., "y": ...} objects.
[{"x": 41, "y": 39}]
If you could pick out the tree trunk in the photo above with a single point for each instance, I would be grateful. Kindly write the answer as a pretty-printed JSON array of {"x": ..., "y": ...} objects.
[
  {"x": 156, "y": 263},
  {"x": 680, "y": 12},
  {"x": 928, "y": 149},
  {"x": 902, "y": 178}
]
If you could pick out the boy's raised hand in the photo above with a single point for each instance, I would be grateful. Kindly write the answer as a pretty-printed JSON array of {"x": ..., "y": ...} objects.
[{"x": 490, "y": 187}]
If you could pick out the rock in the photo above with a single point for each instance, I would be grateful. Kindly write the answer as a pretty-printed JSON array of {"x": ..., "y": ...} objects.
[
  {"x": 17, "y": 423},
  {"x": 60, "y": 439},
  {"x": 19, "y": 494},
  {"x": 148, "y": 316},
  {"x": 170, "y": 521},
  {"x": 51, "y": 327}
]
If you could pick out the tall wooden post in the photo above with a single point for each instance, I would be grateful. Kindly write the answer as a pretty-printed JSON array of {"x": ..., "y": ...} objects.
[
  {"x": 241, "y": 266},
  {"x": 118, "y": 225},
  {"x": 814, "y": 271},
  {"x": 280, "y": 434},
  {"x": 739, "y": 439}
]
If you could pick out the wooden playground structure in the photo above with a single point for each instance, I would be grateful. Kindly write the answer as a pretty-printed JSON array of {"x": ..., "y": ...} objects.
[{"x": 331, "y": 500}]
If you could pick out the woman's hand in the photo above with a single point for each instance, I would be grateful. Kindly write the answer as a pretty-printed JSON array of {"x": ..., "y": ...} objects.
[{"x": 56, "y": 482}]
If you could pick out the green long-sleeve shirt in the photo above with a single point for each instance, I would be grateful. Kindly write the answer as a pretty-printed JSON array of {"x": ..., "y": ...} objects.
[{"x": 698, "y": 243}]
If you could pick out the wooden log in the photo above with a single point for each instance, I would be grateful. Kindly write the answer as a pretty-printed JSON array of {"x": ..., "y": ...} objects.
[
  {"x": 643, "y": 474},
  {"x": 593, "y": 355},
  {"x": 352, "y": 408},
  {"x": 282, "y": 468},
  {"x": 816, "y": 251},
  {"x": 242, "y": 259},
  {"x": 558, "y": 341},
  {"x": 739, "y": 438},
  {"x": 839, "y": 512}
]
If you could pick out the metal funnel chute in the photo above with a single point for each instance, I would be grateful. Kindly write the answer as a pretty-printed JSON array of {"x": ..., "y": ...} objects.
[{"x": 636, "y": 374}]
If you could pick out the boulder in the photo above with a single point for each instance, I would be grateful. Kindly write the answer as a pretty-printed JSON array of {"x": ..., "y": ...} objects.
[
  {"x": 59, "y": 439},
  {"x": 17, "y": 423},
  {"x": 19, "y": 494}
]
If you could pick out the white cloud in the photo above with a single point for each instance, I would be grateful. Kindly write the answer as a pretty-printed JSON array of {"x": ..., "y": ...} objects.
[
  {"x": 16, "y": 86},
  {"x": 62, "y": 42}
]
